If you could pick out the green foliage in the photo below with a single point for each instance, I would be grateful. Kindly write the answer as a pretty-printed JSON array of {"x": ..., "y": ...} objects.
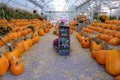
[
  {"x": 11, "y": 13},
  {"x": 112, "y": 17}
]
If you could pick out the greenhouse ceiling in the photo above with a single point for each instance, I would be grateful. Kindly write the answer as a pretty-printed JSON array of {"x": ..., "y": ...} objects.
[{"x": 58, "y": 5}]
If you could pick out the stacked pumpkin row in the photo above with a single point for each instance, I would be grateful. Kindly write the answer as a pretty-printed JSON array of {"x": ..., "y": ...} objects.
[
  {"x": 11, "y": 60},
  {"x": 20, "y": 29},
  {"x": 112, "y": 22},
  {"x": 15, "y": 33},
  {"x": 108, "y": 58},
  {"x": 110, "y": 36}
]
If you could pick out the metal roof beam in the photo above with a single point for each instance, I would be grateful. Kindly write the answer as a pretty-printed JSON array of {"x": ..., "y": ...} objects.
[{"x": 83, "y": 4}]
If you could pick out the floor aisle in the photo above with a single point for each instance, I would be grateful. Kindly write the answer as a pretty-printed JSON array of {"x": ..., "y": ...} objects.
[{"x": 42, "y": 63}]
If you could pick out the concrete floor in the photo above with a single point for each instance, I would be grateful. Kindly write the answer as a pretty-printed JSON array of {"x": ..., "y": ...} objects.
[{"x": 42, "y": 63}]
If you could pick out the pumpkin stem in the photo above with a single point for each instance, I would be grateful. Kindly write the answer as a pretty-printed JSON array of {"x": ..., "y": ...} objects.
[
  {"x": 0, "y": 55},
  {"x": 85, "y": 40},
  {"x": 16, "y": 63}
]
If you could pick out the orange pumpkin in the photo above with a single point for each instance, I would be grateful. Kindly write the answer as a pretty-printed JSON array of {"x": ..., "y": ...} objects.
[
  {"x": 71, "y": 31},
  {"x": 113, "y": 62},
  {"x": 85, "y": 43},
  {"x": 92, "y": 44},
  {"x": 95, "y": 48},
  {"x": 1, "y": 43},
  {"x": 81, "y": 38},
  {"x": 20, "y": 46},
  {"x": 28, "y": 43},
  {"x": 114, "y": 41},
  {"x": 100, "y": 56},
  {"x": 4, "y": 65},
  {"x": 117, "y": 78},
  {"x": 46, "y": 30},
  {"x": 11, "y": 54},
  {"x": 14, "y": 60},
  {"x": 17, "y": 68},
  {"x": 41, "y": 32},
  {"x": 35, "y": 39},
  {"x": 117, "y": 35}
]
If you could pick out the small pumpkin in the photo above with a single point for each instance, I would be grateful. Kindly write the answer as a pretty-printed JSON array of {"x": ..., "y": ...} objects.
[
  {"x": 100, "y": 56},
  {"x": 35, "y": 39},
  {"x": 91, "y": 44},
  {"x": 85, "y": 43},
  {"x": 11, "y": 54},
  {"x": 71, "y": 31},
  {"x": 114, "y": 41},
  {"x": 41, "y": 32},
  {"x": 4, "y": 64},
  {"x": 113, "y": 62},
  {"x": 28, "y": 43},
  {"x": 95, "y": 48},
  {"x": 1, "y": 43},
  {"x": 117, "y": 35},
  {"x": 14, "y": 60},
  {"x": 17, "y": 68},
  {"x": 20, "y": 46}
]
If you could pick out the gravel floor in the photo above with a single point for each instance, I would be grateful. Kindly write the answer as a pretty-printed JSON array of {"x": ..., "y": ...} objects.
[{"x": 42, "y": 63}]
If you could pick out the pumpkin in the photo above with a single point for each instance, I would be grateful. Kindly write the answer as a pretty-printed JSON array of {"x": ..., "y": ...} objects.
[
  {"x": 11, "y": 54},
  {"x": 85, "y": 43},
  {"x": 4, "y": 65},
  {"x": 46, "y": 30},
  {"x": 95, "y": 48},
  {"x": 100, "y": 56},
  {"x": 11, "y": 36},
  {"x": 1, "y": 43},
  {"x": 14, "y": 60},
  {"x": 114, "y": 41},
  {"x": 20, "y": 46},
  {"x": 113, "y": 62},
  {"x": 81, "y": 38},
  {"x": 41, "y": 32},
  {"x": 35, "y": 39},
  {"x": 35, "y": 34},
  {"x": 71, "y": 31},
  {"x": 117, "y": 35},
  {"x": 17, "y": 68},
  {"x": 117, "y": 78},
  {"x": 91, "y": 44},
  {"x": 28, "y": 43}
]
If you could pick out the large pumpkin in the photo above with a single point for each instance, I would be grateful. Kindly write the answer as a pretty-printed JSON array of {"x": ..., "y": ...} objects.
[
  {"x": 113, "y": 62},
  {"x": 41, "y": 32},
  {"x": 17, "y": 68},
  {"x": 100, "y": 56},
  {"x": 95, "y": 48},
  {"x": 4, "y": 64},
  {"x": 117, "y": 78},
  {"x": 114, "y": 41}
]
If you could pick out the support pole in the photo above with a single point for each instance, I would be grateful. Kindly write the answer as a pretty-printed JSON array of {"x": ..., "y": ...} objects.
[{"x": 118, "y": 12}]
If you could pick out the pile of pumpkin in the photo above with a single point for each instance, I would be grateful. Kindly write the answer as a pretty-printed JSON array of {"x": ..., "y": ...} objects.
[
  {"x": 105, "y": 32},
  {"x": 108, "y": 58},
  {"x": 11, "y": 60}
]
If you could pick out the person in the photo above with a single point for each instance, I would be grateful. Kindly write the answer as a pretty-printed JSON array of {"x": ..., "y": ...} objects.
[{"x": 55, "y": 44}]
